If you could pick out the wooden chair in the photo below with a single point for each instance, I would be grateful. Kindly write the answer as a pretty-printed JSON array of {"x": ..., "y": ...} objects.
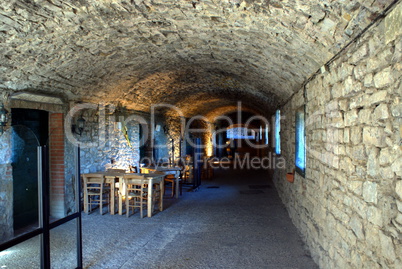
[
  {"x": 145, "y": 170},
  {"x": 171, "y": 180},
  {"x": 94, "y": 192},
  {"x": 135, "y": 192},
  {"x": 187, "y": 173}
]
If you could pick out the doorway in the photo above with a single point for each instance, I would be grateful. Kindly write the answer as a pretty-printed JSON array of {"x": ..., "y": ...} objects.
[{"x": 31, "y": 128}]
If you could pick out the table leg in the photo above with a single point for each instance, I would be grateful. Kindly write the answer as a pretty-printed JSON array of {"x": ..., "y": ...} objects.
[
  {"x": 85, "y": 200},
  {"x": 150, "y": 194},
  {"x": 112, "y": 191},
  {"x": 162, "y": 187},
  {"x": 177, "y": 186},
  {"x": 120, "y": 196}
]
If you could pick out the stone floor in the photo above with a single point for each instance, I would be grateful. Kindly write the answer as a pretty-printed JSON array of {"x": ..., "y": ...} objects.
[{"x": 234, "y": 221}]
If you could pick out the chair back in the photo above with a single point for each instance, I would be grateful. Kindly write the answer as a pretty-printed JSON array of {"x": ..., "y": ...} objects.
[
  {"x": 93, "y": 182},
  {"x": 133, "y": 183},
  {"x": 93, "y": 178},
  {"x": 145, "y": 170}
]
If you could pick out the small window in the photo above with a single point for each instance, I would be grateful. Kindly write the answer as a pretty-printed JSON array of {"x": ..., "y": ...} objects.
[
  {"x": 300, "y": 158},
  {"x": 278, "y": 132}
]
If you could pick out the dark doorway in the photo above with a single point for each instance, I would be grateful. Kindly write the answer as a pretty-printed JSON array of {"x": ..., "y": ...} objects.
[{"x": 30, "y": 129}]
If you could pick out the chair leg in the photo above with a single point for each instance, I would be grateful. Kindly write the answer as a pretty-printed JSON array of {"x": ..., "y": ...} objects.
[
  {"x": 127, "y": 207},
  {"x": 141, "y": 206},
  {"x": 100, "y": 205}
]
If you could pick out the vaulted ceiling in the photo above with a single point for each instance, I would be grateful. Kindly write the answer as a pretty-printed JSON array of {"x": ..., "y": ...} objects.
[{"x": 199, "y": 55}]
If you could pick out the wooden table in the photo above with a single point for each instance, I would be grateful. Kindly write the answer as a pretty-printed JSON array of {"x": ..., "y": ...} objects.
[
  {"x": 166, "y": 170},
  {"x": 112, "y": 178}
]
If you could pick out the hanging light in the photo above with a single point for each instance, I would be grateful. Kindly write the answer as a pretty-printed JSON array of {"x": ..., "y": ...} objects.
[
  {"x": 3, "y": 118},
  {"x": 78, "y": 128}
]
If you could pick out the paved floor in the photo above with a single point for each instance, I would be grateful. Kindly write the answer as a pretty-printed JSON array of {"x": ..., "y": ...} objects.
[{"x": 217, "y": 227}]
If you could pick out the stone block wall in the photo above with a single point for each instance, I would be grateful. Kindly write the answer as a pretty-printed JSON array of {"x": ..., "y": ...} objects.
[
  {"x": 348, "y": 207},
  {"x": 6, "y": 187},
  {"x": 111, "y": 152},
  {"x": 111, "y": 148}
]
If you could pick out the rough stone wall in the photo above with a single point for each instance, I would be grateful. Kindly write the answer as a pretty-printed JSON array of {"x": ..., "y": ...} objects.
[
  {"x": 69, "y": 172},
  {"x": 111, "y": 152},
  {"x": 348, "y": 208},
  {"x": 180, "y": 52},
  {"x": 6, "y": 187}
]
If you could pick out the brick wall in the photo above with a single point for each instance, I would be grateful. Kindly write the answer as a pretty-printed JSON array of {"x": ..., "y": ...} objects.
[{"x": 56, "y": 154}]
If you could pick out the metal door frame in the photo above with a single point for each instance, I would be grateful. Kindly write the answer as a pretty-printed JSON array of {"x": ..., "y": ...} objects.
[{"x": 44, "y": 211}]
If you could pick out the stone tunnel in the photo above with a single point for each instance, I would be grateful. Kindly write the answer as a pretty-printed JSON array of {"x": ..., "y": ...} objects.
[{"x": 328, "y": 72}]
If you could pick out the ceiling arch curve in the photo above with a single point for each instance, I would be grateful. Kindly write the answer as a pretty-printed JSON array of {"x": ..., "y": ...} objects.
[{"x": 144, "y": 52}]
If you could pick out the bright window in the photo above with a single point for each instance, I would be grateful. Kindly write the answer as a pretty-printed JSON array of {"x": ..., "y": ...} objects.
[
  {"x": 278, "y": 132},
  {"x": 300, "y": 158},
  {"x": 240, "y": 133}
]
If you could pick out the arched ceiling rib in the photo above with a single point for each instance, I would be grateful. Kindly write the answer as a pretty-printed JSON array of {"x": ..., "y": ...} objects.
[{"x": 198, "y": 55}]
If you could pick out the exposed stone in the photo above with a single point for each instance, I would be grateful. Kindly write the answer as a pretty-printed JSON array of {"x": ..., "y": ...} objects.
[
  {"x": 360, "y": 54},
  {"x": 360, "y": 71},
  {"x": 357, "y": 227},
  {"x": 346, "y": 135},
  {"x": 381, "y": 112},
  {"x": 386, "y": 157},
  {"x": 397, "y": 167},
  {"x": 358, "y": 102},
  {"x": 356, "y": 135},
  {"x": 374, "y": 136},
  {"x": 387, "y": 247},
  {"x": 365, "y": 116},
  {"x": 386, "y": 173},
  {"x": 373, "y": 165},
  {"x": 398, "y": 189},
  {"x": 351, "y": 118},
  {"x": 359, "y": 153},
  {"x": 384, "y": 78},
  {"x": 374, "y": 216},
  {"x": 378, "y": 97},
  {"x": 351, "y": 87},
  {"x": 368, "y": 80},
  {"x": 393, "y": 24},
  {"x": 336, "y": 90},
  {"x": 356, "y": 187},
  {"x": 343, "y": 104},
  {"x": 399, "y": 205},
  {"x": 347, "y": 165},
  {"x": 121, "y": 52},
  {"x": 370, "y": 192},
  {"x": 397, "y": 110},
  {"x": 344, "y": 72}
]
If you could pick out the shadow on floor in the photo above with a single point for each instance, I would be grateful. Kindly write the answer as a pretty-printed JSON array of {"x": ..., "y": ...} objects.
[{"x": 235, "y": 220}]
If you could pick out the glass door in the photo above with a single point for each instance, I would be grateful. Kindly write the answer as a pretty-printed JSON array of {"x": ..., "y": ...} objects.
[{"x": 40, "y": 223}]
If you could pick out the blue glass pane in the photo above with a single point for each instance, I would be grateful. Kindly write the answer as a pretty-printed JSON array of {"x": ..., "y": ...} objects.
[
  {"x": 300, "y": 142},
  {"x": 277, "y": 132}
]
